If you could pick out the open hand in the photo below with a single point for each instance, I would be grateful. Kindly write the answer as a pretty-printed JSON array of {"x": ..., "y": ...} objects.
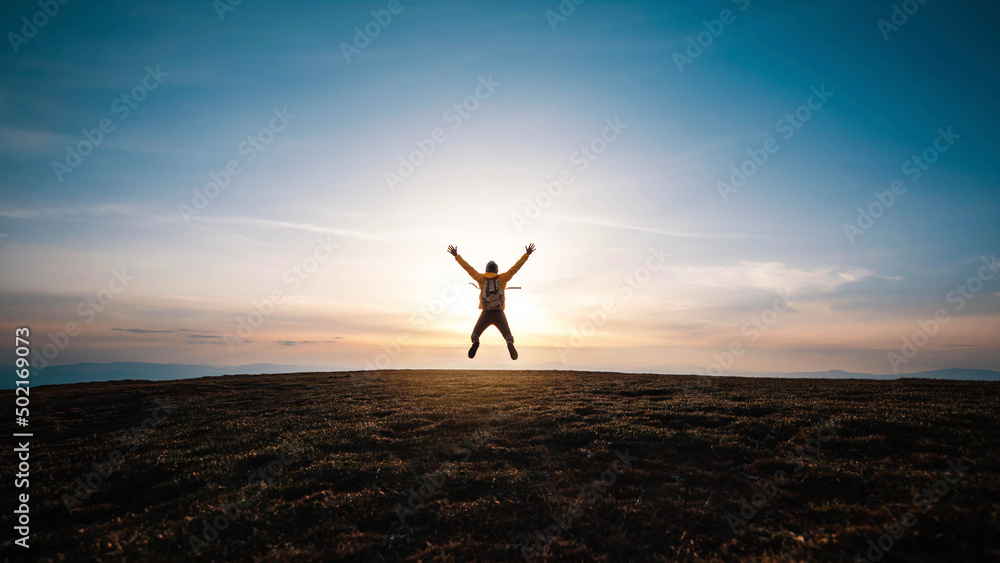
[
  {"x": 529, "y": 249},
  {"x": 453, "y": 250}
]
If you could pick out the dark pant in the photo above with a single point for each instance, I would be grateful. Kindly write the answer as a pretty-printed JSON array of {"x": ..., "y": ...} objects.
[{"x": 496, "y": 318}]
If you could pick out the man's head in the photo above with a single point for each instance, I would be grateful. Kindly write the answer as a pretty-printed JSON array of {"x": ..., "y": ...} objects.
[{"x": 492, "y": 268}]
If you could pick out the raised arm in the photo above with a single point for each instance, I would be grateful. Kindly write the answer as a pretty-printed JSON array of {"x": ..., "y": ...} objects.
[
  {"x": 517, "y": 266},
  {"x": 453, "y": 250}
]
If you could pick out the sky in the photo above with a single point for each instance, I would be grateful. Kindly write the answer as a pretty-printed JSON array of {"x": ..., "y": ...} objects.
[{"x": 712, "y": 187}]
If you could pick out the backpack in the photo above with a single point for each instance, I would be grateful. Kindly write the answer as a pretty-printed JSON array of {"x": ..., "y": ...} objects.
[{"x": 492, "y": 295}]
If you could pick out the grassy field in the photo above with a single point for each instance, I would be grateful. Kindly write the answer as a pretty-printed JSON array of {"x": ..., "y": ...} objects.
[{"x": 514, "y": 465}]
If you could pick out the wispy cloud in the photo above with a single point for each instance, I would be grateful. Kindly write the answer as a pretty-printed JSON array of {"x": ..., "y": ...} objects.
[
  {"x": 230, "y": 234},
  {"x": 187, "y": 332},
  {"x": 69, "y": 212},
  {"x": 308, "y": 227},
  {"x": 596, "y": 221},
  {"x": 32, "y": 140},
  {"x": 771, "y": 275}
]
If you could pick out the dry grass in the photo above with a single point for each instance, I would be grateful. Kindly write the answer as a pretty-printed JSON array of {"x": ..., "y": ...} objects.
[{"x": 497, "y": 454}]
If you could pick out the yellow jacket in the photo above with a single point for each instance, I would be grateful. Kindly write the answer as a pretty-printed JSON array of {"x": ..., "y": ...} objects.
[{"x": 481, "y": 278}]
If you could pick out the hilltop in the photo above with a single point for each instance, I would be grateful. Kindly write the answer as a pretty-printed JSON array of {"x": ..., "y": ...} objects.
[{"x": 461, "y": 465}]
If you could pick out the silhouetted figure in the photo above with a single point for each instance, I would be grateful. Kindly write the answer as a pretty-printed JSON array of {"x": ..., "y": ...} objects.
[{"x": 491, "y": 298}]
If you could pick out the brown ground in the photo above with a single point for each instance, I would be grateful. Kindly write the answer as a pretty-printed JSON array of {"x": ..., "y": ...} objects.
[{"x": 474, "y": 465}]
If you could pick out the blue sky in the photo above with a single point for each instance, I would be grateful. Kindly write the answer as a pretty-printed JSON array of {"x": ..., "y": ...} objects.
[{"x": 654, "y": 185}]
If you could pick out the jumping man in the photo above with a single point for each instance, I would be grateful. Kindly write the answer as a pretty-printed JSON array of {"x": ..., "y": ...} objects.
[{"x": 491, "y": 298}]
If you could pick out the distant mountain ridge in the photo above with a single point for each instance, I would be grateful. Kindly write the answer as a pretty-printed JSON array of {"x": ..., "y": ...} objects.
[
  {"x": 118, "y": 371},
  {"x": 953, "y": 374}
]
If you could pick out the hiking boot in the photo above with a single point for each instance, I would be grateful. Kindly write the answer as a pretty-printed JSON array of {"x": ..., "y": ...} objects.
[
  {"x": 513, "y": 352},
  {"x": 472, "y": 351}
]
